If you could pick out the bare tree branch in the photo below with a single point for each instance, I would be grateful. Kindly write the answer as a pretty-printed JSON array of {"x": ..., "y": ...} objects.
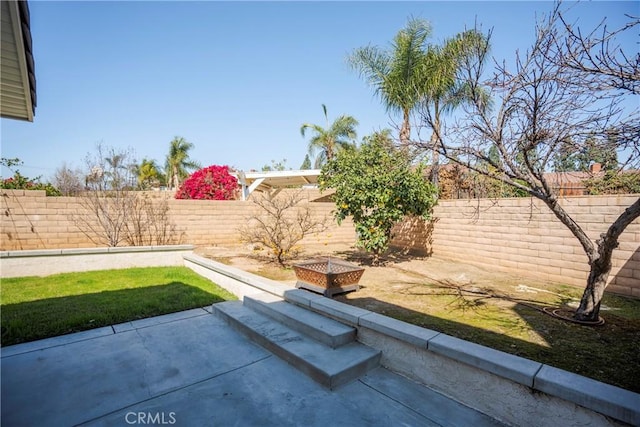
[
  {"x": 280, "y": 223},
  {"x": 569, "y": 88}
]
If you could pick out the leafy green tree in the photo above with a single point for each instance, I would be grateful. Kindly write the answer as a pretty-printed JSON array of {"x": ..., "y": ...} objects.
[
  {"x": 275, "y": 166},
  {"x": 178, "y": 163},
  {"x": 120, "y": 170},
  {"x": 306, "y": 164},
  {"x": 442, "y": 89},
  {"x": 598, "y": 151},
  {"x": 494, "y": 155},
  {"x": 572, "y": 157},
  {"x": 377, "y": 186},
  {"x": 612, "y": 182},
  {"x": 566, "y": 157},
  {"x": 329, "y": 140},
  {"x": 149, "y": 174}
]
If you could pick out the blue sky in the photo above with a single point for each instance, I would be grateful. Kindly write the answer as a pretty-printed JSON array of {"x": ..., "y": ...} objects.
[{"x": 237, "y": 79}]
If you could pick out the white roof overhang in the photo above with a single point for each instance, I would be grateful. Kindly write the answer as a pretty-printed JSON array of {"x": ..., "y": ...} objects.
[{"x": 17, "y": 68}]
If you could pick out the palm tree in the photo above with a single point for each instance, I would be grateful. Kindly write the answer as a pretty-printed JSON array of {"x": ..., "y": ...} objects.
[
  {"x": 178, "y": 164},
  {"x": 414, "y": 73},
  {"x": 397, "y": 74},
  {"x": 119, "y": 171},
  {"x": 149, "y": 174},
  {"x": 341, "y": 134},
  {"x": 441, "y": 89}
]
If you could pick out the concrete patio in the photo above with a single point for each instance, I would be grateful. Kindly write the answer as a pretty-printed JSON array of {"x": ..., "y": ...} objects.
[
  {"x": 192, "y": 369},
  {"x": 199, "y": 368}
]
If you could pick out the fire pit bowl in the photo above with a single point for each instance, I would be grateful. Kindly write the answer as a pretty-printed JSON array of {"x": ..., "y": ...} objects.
[{"x": 327, "y": 276}]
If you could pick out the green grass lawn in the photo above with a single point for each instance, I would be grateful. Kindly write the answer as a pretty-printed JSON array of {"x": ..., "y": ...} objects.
[{"x": 33, "y": 308}]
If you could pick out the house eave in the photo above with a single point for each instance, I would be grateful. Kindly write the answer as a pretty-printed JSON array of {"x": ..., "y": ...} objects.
[{"x": 17, "y": 68}]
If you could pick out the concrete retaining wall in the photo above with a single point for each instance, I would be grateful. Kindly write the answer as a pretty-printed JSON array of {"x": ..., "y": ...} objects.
[
  {"x": 512, "y": 389},
  {"x": 54, "y": 261}
]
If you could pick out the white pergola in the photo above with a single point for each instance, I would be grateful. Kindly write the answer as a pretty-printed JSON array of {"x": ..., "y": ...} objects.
[{"x": 274, "y": 180}]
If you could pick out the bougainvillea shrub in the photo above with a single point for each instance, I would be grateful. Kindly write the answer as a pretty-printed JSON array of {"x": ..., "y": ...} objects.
[
  {"x": 210, "y": 183},
  {"x": 20, "y": 182}
]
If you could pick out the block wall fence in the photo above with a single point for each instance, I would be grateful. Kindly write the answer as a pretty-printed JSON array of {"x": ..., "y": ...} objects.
[
  {"x": 35, "y": 221},
  {"x": 518, "y": 235},
  {"x": 522, "y": 236}
]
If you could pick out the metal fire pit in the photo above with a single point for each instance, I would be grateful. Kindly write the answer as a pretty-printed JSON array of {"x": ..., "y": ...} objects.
[{"x": 328, "y": 276}]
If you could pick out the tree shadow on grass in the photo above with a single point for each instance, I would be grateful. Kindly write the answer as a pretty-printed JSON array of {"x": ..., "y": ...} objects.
[
  {"x": 605, "y": 353},
  {"x": 33, "y": 320},
  {"x": 459, "y": 329}
]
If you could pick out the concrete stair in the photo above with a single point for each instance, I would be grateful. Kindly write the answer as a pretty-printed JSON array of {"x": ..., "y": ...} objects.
[
  {"x": 322, "y": 348},
  {"x": 327, "y": 331}
]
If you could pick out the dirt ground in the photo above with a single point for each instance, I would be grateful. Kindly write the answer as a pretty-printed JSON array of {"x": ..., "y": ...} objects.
[{"x": 400, "y": 273}]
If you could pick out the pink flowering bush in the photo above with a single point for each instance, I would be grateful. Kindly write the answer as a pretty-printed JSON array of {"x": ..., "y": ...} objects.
[{"x": 210, "y": 183}]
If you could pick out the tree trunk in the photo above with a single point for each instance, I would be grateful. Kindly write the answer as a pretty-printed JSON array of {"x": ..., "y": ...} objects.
[
  {"x": 600, "y": 261},
  {"x": 176, "y": 182},
  {"x": 435, "y": 145},
  {"x": 589, "y": 309},
  {"x": 405, "y": 130},
  {"x": 435, "y": 169},
  {"x": 376, "y": 259},
  {"x": 599, "y": 254},
  {"x": 328, "y": 150}
]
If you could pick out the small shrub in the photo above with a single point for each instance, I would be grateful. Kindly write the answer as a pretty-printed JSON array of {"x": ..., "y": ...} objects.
[{"x": 279, "y": 224}]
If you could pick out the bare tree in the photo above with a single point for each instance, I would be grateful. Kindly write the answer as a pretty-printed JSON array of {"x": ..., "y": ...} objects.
[
  {"x": 148, "y": 221},
  {"x": 69, "y": 181},
  {"x": 112, "y": 213},
  {"x": 569, "y": 87},
  {"x": 105, "y": 203},
  {"x": 280, "y": 223}
]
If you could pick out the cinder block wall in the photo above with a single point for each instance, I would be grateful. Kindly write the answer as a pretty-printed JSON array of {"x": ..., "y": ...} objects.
[
  {"x": 516, "y": 235},
  {"x": 203, "y": 223},
  {"x": 522, "y": 235},
  {"x": 30, "y": 220}
]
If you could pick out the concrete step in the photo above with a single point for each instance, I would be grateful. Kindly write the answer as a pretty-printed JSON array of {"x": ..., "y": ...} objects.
[
  {"x": 320, "y": 328},
  {"x": 330, "y": 367}
]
